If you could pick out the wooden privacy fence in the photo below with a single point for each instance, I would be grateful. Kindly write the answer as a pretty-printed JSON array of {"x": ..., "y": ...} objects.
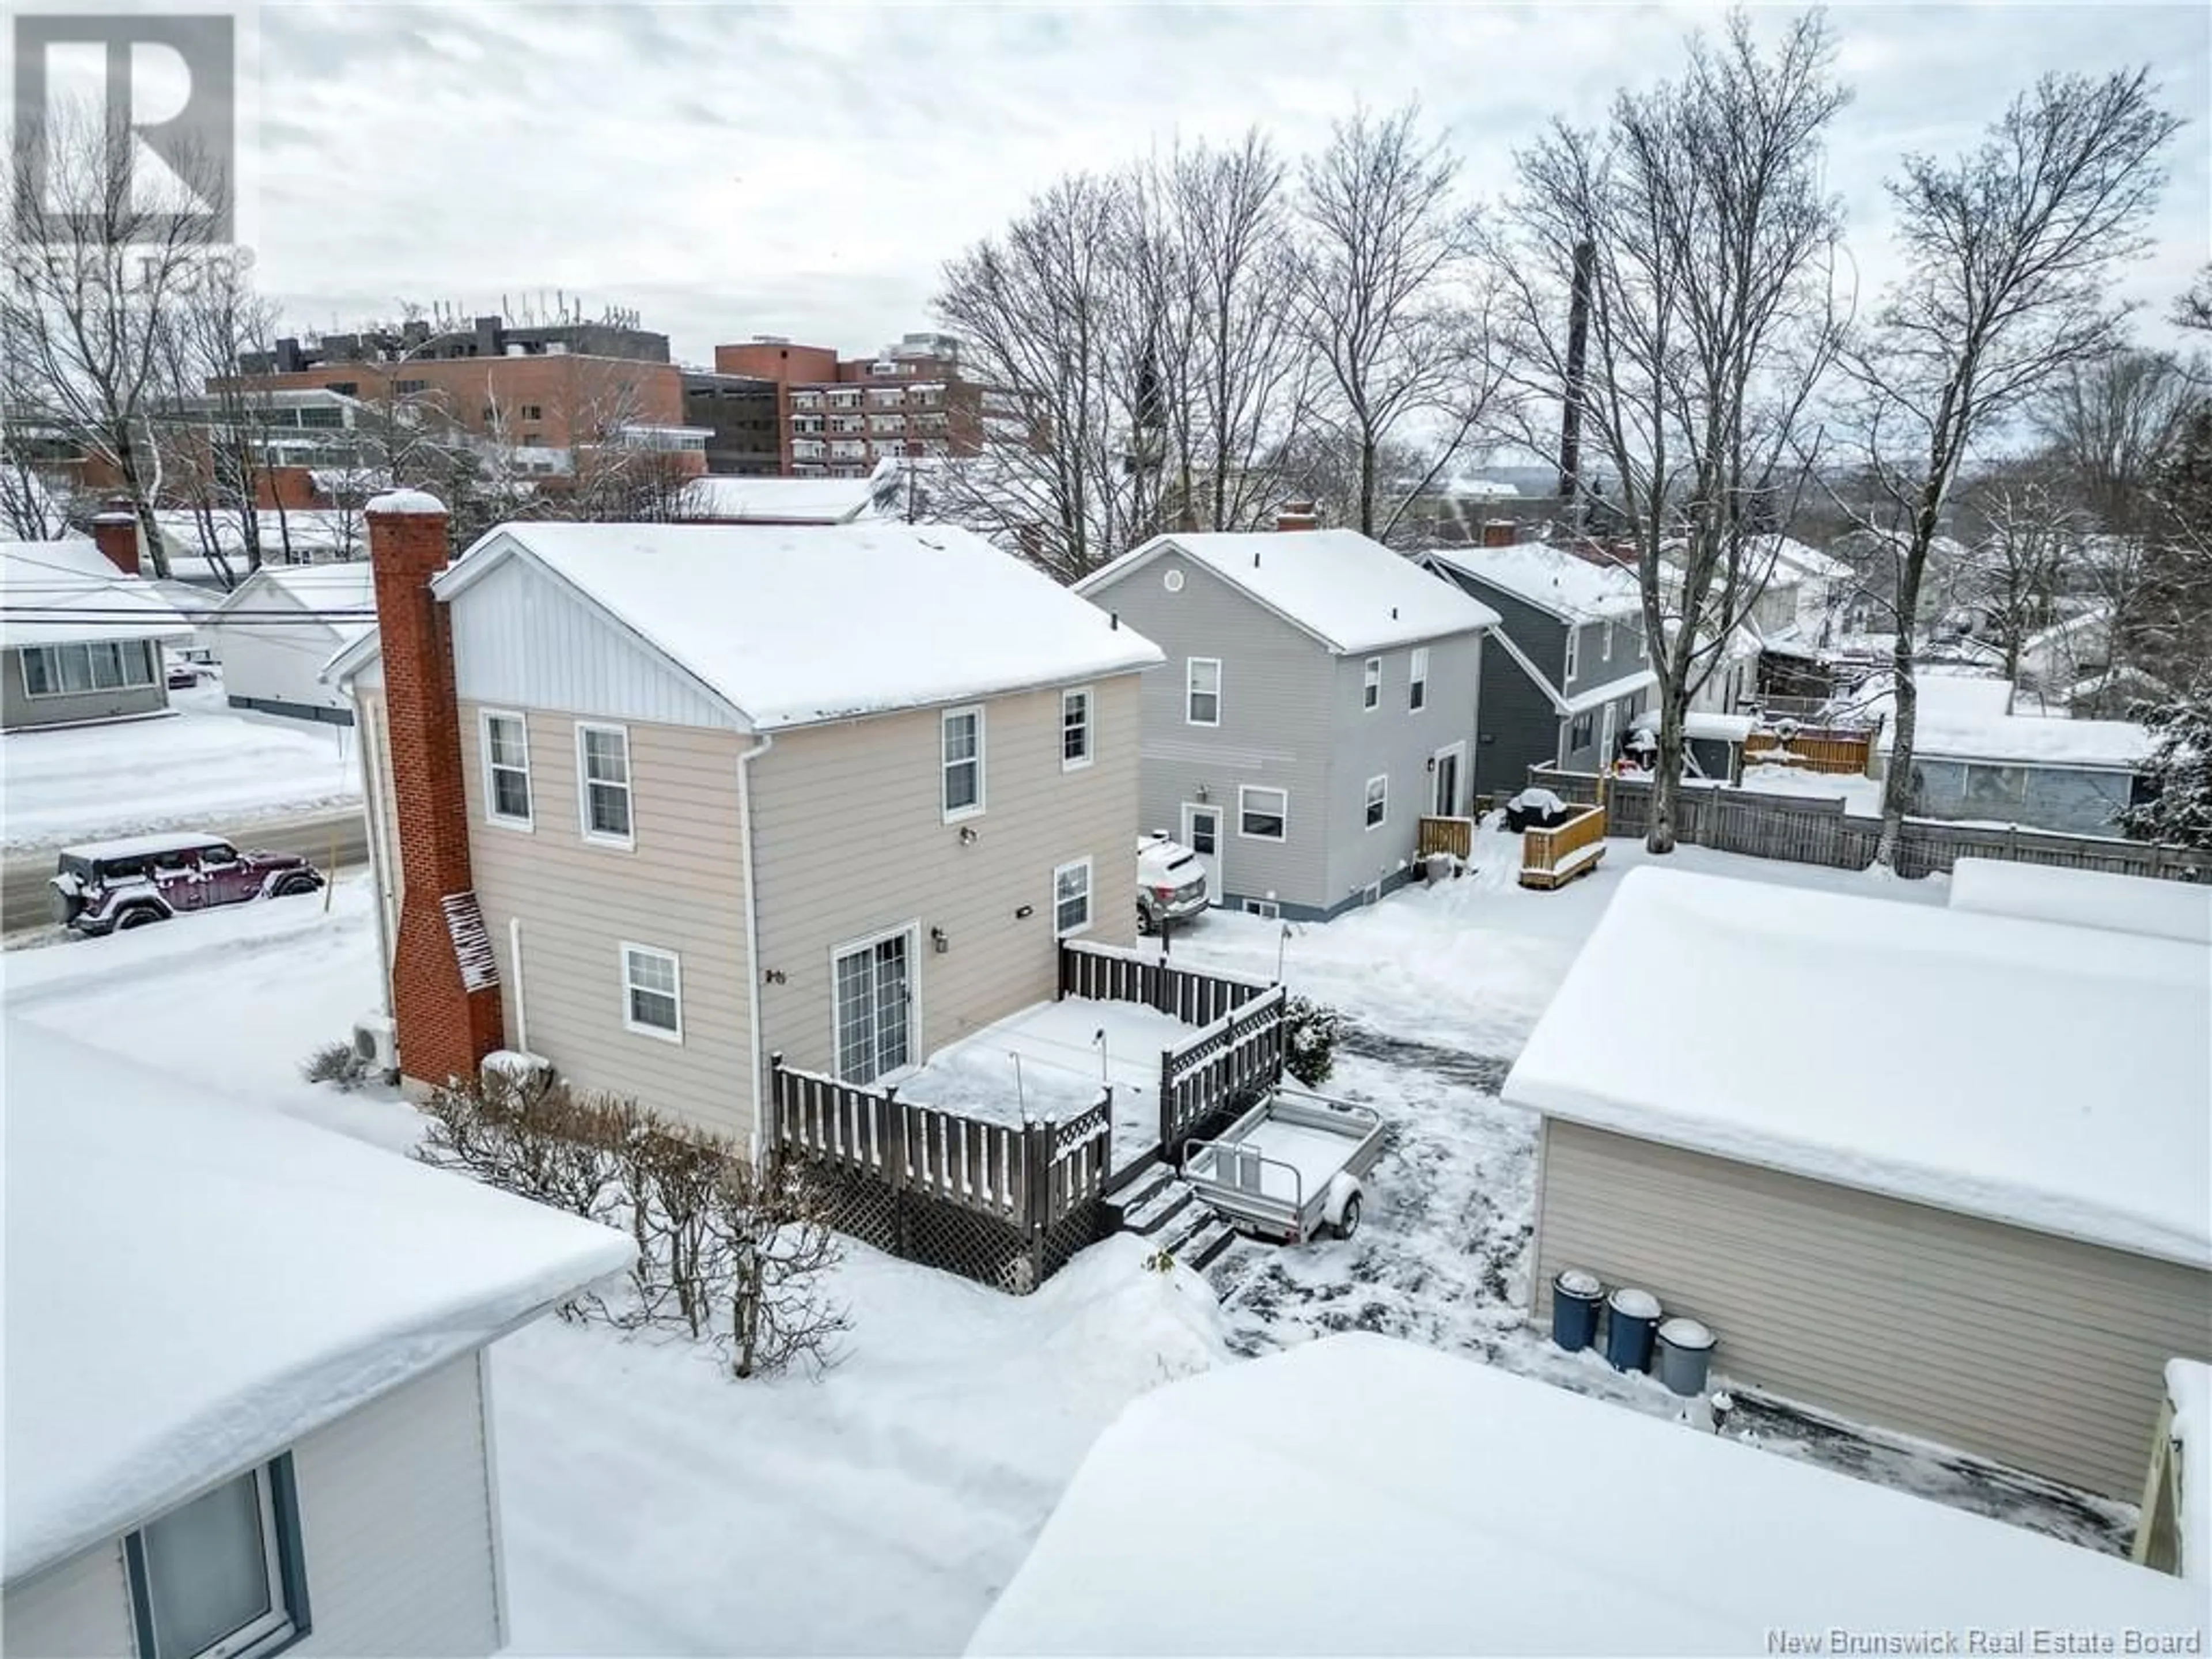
[
  {"x": 1004, "y": 1203},
  {"x": 1817, "y": 829},
  {"x": 1104, "y": 974},
  {"x": 1453, "y": 835},
  {"x": 1553, "y": 857},
  {"x": 1222, "y": 1068},
  {"x": 1846, "y": 754}
]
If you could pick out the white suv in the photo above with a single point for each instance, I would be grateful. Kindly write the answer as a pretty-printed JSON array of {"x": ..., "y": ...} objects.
[{"x": 1170, "y": 882}]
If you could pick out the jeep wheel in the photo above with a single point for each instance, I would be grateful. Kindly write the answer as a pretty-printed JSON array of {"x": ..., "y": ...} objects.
[
  {"x": 1144, "y": 921},
  {"x": 138, "y": 915},
  {"x": 294, "y": 885}
]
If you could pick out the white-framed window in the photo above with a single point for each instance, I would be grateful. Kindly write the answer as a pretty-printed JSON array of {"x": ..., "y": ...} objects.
[
  {"x": 1262, "y": 814},
  {"x": 1075, "y": 749},
  {"x": 652, "y": 993},
  {"x": 1202, "y": 700},
  {"x": 871, "y": 1014},
  {"x": 1071, "y": 898},
  {"x": 961, "y": 755},
  {"x": 222, "y": 1575},
  {"x": 62, "y": 671},
  {"x": 506, "y": 769},
  {"x": 602, "y": 784},
  {"x": 1378, "y": 811},
  {"x": 1266, "y": 909},
  {"x": 1417, "y": 687},
  {"x": 1371, "y": 685},
  {"x": 1606, "y": 649},
  {"x": 1574, "y": 649}
]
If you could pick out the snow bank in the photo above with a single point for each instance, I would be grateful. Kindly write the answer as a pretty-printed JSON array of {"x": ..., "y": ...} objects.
[
  {"x": 2047, "y": 1076},
  {"x": 1363, "y": 1495},
  {"x": 192, "y": 1285},
  {"x": 2087, "y": 898},
  {"x": 2189, "y": 1385}
]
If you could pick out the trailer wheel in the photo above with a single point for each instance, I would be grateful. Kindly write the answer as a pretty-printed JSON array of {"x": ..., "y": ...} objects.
[{"x": 1348, "y": 1223}]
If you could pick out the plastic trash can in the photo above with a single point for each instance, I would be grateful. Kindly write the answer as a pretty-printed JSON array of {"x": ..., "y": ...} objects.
[
  {"x": 1686, "y": 1354},
  {"x": 1575, "y": 1298},
  {"x": 1632, "y": 1316}
]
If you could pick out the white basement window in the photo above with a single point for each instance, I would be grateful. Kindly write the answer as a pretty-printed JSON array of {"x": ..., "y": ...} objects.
[
  {"x": 1071, "y": 898},
  {"x": 1262, "y": 814},
  {"x": 603, "y": 780},
  {"x": 1371, "y": 684},
  {"x": 1378, "y": 802},
  {"x": 1074, "y": 729},
  {"x": 961, "y": 754},
  {"x": 1202, "y": 691},
  {"x": 222, "y": 1575},
  {"x": 507, "y": 769},
  {"x": 1417, "y": 691},
  {"x": 652, "y": 993}
]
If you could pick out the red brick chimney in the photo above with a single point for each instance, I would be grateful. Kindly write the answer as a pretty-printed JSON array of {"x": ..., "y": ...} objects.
[
  {"x": 1500, "y": 532},
  {"x": 1297, "y": 515},
  {"x": 115, "y": 533},
  {"x": 445, "y": 979}
]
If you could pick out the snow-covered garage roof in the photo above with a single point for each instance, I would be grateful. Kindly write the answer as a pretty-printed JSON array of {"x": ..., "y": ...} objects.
[
  {"x": 2051, "y": 1076},
  {"x": 1457, "y": 1508},
  {"x": 1348, "y": 591},
  {"x": 192, "y": 1285},
  {"x": 341, "y": 595},
  {"x": 2086, "y": 898},
  {"x": 795, "y": 625},
  {"x": 1962, "y": 717},
  {"x": 786, "y": 501}
]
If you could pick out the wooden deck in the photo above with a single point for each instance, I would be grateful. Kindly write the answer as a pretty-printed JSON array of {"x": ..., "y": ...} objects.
[{"x": 1552, "y": 858}]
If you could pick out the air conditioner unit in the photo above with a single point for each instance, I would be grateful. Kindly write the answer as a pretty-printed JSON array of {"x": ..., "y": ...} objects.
[
  {"x": 527, "y": 1072},
  {"x": 375, "y": 1043}
]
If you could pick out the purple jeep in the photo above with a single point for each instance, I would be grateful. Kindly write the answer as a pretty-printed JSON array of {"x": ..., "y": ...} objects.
[{"x": 109, "y": 884}]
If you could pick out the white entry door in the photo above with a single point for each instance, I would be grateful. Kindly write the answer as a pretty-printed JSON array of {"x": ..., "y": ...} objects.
[
  {"x": 1445, "y": 796},
  {"x": 1201, "y": 833}
]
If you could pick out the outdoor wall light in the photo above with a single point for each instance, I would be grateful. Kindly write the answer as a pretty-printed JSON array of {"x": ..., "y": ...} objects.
[
  {"x": 1025, "y": 913},
  {"x": 938, "y": 942},
  {"x": 967, "y": 835},
  {"x": 1201, "y": 792}
]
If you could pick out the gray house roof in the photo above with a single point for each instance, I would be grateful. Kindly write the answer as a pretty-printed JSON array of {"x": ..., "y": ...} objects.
[
  {"x": 1554, "y": 580},
  {"x": 1349, "y": 592}
]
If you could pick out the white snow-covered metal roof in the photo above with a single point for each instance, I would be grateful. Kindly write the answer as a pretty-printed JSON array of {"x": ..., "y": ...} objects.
[
  {"x": 67, "y": 592},
  {"x": 193, "y": 1284},
  {"x": 1348, "y": 591},
  {"x": 1550, "y": 579},
  {"x": 2047, "y": 1076},
  {"x": 797, "y": 625},
  {"x": 786, "y": 501}
]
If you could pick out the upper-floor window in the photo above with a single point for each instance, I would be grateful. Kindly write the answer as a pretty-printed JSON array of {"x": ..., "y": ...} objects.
[
  {"x": 1417, "y": 689},
  {"x": 408, "y": 388},
  {"x": 962, "y": 738},
  {"x": 1606, "y": 649},
  {"x": 1074, "y": 729},
  {"x": 603, "y": 773},
  {"x": 344, "y": 388},
  {"x": 1202, "y": 691},
  {"x": 1071, "y": 898},
  {"x": 223, "y": 1573},
  {"x": 1371, "y": 684},
  {"x": 507, "y": 769},
  {"x": 533, "y": 411},
  {"x": 1574, "y": 649}
]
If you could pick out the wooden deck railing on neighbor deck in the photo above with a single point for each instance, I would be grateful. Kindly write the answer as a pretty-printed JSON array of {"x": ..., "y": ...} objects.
[
  {"x": 1453, "y": 835},
  {"x": 1551, "y": 858},
  {"x": 1842, "y": 754}
]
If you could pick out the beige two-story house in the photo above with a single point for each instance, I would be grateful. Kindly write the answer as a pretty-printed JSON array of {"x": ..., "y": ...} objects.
[{"x": 693, "y": 795}]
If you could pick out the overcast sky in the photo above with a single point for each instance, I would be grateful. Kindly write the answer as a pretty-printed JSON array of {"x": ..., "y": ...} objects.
[{"x": 736, "y": 170}]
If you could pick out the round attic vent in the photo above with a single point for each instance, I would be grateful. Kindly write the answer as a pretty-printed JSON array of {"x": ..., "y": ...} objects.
[{"x": 1172, "y": 582}]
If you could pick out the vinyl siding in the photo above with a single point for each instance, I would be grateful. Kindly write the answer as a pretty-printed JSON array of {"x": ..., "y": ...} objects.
[
  {"x": 1592, "y": 669},
  {"x": 396, "y": 1533},
  {"x": 18, "y": 709},
  {"x": 1517, "y": 727},
  {"x": 375, "y": 728},
  {"x": 2038, "y": 1352},
  {"x": 1396, "y": 742},
  {"x": 681, "y": 888},
  {"x": 275, "y": 660},
  {"x": 1278, "y": 686},
  {"x": 850, "y": 842}
]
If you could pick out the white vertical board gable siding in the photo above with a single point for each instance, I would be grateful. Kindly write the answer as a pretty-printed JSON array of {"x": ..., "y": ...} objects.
[
  {"x": 523, "y": 639},
  {"x": 396, "y": 1532}
]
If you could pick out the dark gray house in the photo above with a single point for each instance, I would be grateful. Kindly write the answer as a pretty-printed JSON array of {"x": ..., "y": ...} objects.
[
  {"x": 1567, "y": 670},
  {"x": 1318, "y": 700}
]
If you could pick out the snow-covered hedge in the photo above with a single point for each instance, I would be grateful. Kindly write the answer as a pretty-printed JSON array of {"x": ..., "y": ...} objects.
[{"x": 1309, "y": 1040}]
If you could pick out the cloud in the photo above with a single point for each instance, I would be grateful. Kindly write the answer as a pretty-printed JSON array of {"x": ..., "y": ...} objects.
[{"x": 733, "y": 170}]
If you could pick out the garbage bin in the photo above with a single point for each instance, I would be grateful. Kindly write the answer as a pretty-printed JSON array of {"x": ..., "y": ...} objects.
[
  {"x": 1686, "y": 1354},
  {"x": 1631, "y": 1316},
  {"x": 1575, "y": 1299}
]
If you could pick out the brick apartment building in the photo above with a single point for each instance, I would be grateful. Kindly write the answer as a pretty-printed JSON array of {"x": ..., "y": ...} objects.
[{"x": 839, "y": 417}]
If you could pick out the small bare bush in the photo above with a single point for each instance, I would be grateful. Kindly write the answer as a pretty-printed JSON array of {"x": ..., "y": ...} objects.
[{"x": 336, "y": 1062}]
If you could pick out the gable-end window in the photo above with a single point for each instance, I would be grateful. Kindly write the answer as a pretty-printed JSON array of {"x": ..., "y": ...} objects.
[
  {"x": 1071, "y": 898},
  {"x": 1417, "y": 689},
  {"x": 962, "y": 742},
  {"x": 1378, "y": 802},
  {"x": 1262, "y": 814},
  {"x": 1371, "y": 685},
  {"x": 652, "y": 993},
  {"x": 603, "y": 779},
  {"x": 223, "y": 1573},
  {"x": 1074, "y": 729},
  {"x": 1574, "y": 649},
  {"x": 507, "y": 769},
  {"x": 1202, "y": 691},
  {"x": 1606, "y": 650}
]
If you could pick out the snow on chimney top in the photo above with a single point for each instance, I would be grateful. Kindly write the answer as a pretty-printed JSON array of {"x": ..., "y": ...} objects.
[
  {"x": 396, "y": 502},
  {"x": 1297, "y": 515}
]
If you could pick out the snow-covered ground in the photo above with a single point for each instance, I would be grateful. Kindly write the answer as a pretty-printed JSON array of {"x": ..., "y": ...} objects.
[{"x": 206, "y": 766}]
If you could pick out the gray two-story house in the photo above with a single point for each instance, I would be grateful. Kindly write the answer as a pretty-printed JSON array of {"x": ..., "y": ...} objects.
[
  {"x": 1567, "y": 670},
  {"x": 1318, "y": 701}
]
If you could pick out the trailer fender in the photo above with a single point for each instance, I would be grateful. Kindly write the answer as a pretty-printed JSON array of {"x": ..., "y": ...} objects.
[{"x": 1344, "y": 1196}]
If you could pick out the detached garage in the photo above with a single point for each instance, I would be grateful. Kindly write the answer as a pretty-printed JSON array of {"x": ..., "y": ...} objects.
[
  {"x": 1948, "y": 1173},
  {"x": 277, "y": 628}
]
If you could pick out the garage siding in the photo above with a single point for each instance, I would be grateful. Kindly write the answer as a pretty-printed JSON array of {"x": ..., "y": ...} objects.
[{"x": 2039, "y": 1351}]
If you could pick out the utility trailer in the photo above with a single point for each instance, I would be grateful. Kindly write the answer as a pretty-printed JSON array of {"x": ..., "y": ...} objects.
[{"x": 1289, "y": 1168}]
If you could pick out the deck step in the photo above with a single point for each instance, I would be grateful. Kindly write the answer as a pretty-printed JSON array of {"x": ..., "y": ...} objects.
[
  {"x": 1207, "y": 1245},
  {"x": 1144, "y": 1191},
  {"x": 1164, "y": 1212}
]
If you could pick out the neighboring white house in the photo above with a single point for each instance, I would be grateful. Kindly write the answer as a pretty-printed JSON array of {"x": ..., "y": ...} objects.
[
  {"x": 1364, "y": 1495},
  {"x": 274, "y": 630},
  {"x": 246, "y": 1379}
]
